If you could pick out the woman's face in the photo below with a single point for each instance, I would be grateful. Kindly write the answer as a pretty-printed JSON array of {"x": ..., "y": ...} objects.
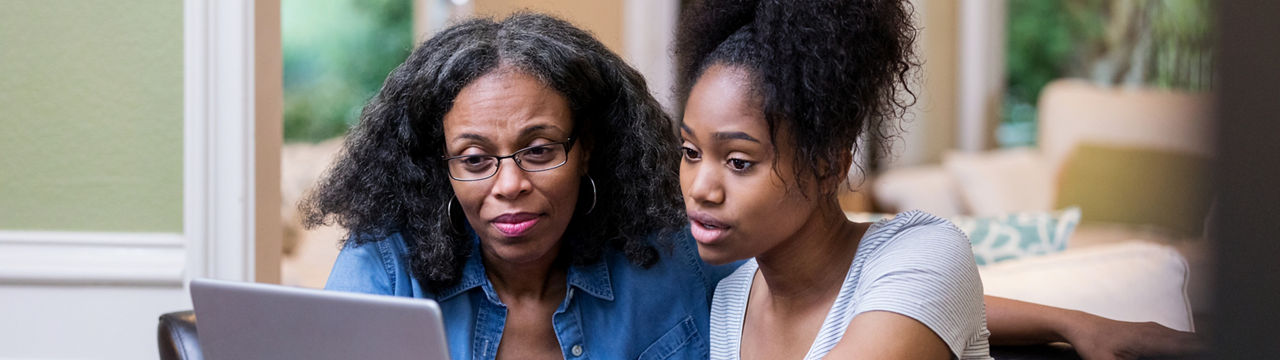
[
  {"x": 519, "y": 215},
  {"x": 738, "y": 205}
]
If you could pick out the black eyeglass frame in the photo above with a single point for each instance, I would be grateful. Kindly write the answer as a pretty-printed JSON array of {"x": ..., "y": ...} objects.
[{"x": 568, "y": 147}]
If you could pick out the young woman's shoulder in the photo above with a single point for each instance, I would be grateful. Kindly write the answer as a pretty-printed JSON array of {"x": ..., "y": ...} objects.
[
  {"x": 916, "y": 236},
  {"x": 918, "y": 253},
  {"x": 921, "y": 266}
]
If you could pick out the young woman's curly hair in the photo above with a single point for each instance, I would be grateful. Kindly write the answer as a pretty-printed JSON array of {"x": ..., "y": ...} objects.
[
  {"x": 390, "y": 177},
  {"x": 831, "y": 71}
]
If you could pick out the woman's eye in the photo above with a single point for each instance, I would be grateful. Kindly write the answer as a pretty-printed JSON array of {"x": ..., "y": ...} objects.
[
  {"x": 689, "y": 153},
  {"x": 739, "y": 164},
  {"x": 541, "y": 155},
  {"x": 537, "y": 153},
  {"x": 474, "y": 160},
  {"x": 477, "y": 163}
]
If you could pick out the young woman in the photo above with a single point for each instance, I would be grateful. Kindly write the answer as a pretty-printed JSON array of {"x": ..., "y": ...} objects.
[{"x": 778, "y": 94}]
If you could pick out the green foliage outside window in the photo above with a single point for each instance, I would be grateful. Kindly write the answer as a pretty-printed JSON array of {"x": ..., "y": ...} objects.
[
  {"x": 337, "y": 53},
  {"x": 1131, "y": 43}
]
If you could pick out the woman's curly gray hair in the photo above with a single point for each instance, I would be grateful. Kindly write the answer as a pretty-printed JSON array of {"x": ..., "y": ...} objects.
[{"x": 389, "y": 177}]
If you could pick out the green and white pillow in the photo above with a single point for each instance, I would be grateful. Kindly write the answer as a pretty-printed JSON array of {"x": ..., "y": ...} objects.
[{"x": 998, "y": 238}]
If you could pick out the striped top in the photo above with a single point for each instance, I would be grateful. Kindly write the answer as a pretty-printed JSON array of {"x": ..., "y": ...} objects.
[{"x": 915, "y": 264}]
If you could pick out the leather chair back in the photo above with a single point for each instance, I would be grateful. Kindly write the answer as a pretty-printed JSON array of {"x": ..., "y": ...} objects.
[{"x": 177, "y": 336}]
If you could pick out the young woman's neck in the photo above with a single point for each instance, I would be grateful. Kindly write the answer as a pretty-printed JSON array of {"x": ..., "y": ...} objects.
[{"x": 809, "y": 266}]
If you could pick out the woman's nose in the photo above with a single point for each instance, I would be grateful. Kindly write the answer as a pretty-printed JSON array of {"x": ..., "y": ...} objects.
[
  {"x": 707, "y": 188},
  {"x": 510, "y": 182}
]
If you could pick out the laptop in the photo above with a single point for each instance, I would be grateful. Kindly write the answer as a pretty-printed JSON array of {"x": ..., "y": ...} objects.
[{"x": 238, "y": 320}]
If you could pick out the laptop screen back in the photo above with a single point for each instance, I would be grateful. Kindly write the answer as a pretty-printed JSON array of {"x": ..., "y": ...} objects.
[{"x": 258, "y": 321}]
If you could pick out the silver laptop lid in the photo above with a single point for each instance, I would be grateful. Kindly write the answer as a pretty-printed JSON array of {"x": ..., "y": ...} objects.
[{"x": 258, "y": 321}]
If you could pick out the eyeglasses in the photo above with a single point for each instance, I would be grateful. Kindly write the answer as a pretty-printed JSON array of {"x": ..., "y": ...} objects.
[{"x": 531, "y": 159}]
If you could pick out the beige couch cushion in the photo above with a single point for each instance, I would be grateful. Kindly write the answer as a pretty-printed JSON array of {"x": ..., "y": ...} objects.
[
  {"x": 1131, "y": 281},
  {"x": 928, "y": 188},
  {"x": 1002, "y": 181},
  {"x": 1073, "y": 111}
]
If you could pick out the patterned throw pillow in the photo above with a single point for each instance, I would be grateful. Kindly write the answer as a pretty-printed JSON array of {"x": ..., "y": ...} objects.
[{"x": 1011, "y": 236}]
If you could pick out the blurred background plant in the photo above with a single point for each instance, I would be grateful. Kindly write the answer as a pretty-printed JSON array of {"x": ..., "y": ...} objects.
[
  {"x": 336, "y": 55},
  {"x": 1130, "y": 43}
]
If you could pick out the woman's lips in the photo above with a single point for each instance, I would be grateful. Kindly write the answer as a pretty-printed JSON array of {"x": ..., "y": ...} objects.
[
  {"x": 706, "y": 229},
  {"x": 517, "y": 224}
]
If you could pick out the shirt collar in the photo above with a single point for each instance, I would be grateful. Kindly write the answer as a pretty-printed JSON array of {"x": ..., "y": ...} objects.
[
  {"x": 472, "y": 275},
  {"x": 592, "y": 278}
]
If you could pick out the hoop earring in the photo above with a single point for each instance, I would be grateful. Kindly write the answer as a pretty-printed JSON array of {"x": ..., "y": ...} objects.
[
  {"x": 593, "y": 195},
  {"x": 448, "y": 215}
]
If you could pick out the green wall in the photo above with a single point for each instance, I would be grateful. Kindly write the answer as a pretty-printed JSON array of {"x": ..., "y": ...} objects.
[{"x": 91, "y": 115}]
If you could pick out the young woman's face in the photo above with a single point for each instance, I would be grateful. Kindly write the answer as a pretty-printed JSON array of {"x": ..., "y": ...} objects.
[
  {"x": 738, "y": 205},
  {"x": 520, "y": 216}
]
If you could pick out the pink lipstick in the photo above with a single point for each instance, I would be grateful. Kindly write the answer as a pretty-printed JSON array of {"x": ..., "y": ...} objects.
[{"x": 515, "y": 224}]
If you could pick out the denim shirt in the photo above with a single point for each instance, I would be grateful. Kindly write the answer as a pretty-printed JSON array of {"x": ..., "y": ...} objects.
[{"x": 612, "y": 309}]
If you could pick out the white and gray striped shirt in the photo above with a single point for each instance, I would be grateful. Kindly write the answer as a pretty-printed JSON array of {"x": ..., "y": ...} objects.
[{"x": 915, "y": 264}]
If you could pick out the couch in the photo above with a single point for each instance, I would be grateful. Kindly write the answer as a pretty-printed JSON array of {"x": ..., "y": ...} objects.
[{"x": 1134, "y": 161}]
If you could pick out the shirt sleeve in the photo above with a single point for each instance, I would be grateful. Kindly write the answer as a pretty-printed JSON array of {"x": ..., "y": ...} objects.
[
  {"x": 361, "y": 268},
  {"x": 927, "y": 273}
]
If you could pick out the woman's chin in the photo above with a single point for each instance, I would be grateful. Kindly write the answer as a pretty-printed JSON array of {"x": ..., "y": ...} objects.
[
  {"x": 716, "y": 255},
  {"x": 519, "y": 250}
]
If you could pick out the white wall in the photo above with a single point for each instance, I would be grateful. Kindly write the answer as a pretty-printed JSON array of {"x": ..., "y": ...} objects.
[
  {"x": 43, "y": 321},
  {"x": 929, "y": 129},
  {"x": 982, "y": 72},
  {"x": 961, "y": 44},
  {"x": 98, "y": 295},
  {"x": 648, "y": 39}
]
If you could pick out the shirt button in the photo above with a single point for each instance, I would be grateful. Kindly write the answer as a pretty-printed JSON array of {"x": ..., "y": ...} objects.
[{"x": 577, "y": 350}]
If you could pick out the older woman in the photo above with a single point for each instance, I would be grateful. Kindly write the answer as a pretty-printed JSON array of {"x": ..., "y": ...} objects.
[{"x": 519, "y": 173}]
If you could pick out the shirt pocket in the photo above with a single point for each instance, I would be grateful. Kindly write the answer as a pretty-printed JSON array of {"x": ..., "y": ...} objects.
[{"x": 680, "y": 337}]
